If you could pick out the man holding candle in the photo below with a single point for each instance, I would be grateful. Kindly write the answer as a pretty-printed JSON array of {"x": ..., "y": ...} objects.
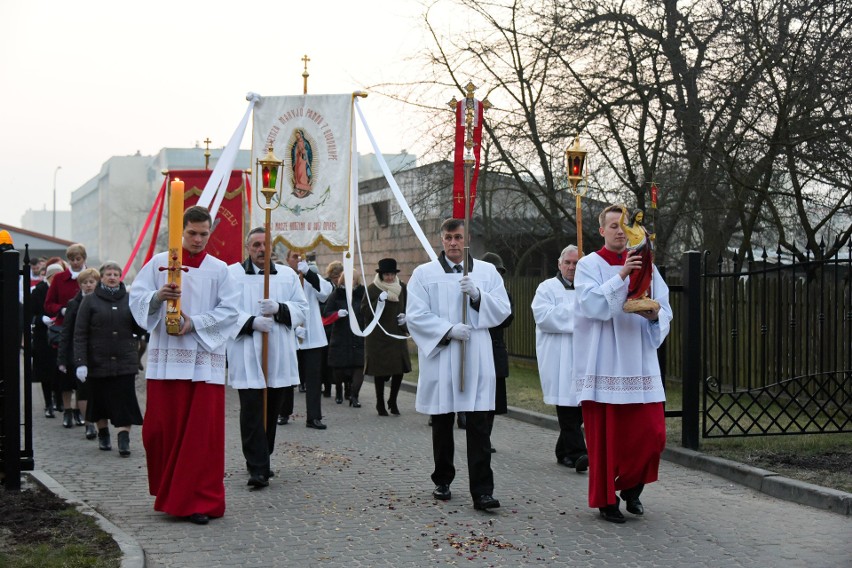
[{"x": 184, "y": 425}]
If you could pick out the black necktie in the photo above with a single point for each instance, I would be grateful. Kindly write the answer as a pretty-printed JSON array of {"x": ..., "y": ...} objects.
[
  {"x": 458, "y": 268},
  {"x": 260, "y": 271}
]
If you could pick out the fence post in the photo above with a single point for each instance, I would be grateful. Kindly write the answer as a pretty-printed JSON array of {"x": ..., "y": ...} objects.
[
  {"x": 10, "y": 371},
  {"x": 692, "y": 367}
]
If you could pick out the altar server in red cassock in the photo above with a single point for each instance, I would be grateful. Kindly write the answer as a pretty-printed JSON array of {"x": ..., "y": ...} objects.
[
  {"x": 184, "y": 426},
  {"x": 617, "y": 374}
]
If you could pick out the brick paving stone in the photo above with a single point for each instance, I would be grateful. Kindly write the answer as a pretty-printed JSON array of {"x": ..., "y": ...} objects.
[{"x": 359, "y": 494}]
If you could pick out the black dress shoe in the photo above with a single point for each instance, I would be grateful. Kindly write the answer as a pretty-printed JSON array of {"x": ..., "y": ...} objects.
[
  {"x": 282, "y": 420},
  {"x": 442, "y": 493},
  {"x": 199, "y": 518},
  {"x": 611, "y": 513},
  {"x": 91, "y": 433},
  {"x": 316, "y": 423},
  {"x": 582, "y": 463},
  {"x": 78, "y": 418},
  {"x": 493, "y": 450},
  {"x": 484, "y": 502},
  {"x": 67, "y": 419},
  {"x": 48, "y": 412},
  {"x": 380, "y": 408},
  {"x": 631, "y": 498},
  {"x": 258, "y": 481},
  {"x": 353, "y": 402},
  {"x": 566, "y": 461},
  {"x": 394, "y": 409},
  {"x": 302, "y": 388},
  {"x": 338, "y": 399}
]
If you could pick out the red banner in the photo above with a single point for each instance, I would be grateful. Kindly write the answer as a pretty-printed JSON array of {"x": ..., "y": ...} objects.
[
  {"x": 226, "y": 238},
  {"x": 653, "y": 195},
  {"x": 458, "y": 172}
]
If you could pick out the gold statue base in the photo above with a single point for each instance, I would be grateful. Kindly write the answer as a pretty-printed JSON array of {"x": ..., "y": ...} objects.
[{"x": 642, "y": 304}]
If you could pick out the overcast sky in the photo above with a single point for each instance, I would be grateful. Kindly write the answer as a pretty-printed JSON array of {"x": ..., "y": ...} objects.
[{"x": 84, "y": 81}]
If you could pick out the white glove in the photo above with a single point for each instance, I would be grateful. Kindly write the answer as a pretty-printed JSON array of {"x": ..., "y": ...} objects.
[
  {"x": 303, "y": 267},
  {"x": 301, "y": 332},
  {"x": 62, "y": 311},
  {"x": 383, "y": 297},
  {"x": 48, "y": 321},
  {"x": 469, "y": 288},
  {"x": 62, "y": 369},
  {"x": 342, "y": 313},
  {"x": 82, "y": 373},
  {"x": 268, "y": 307},
  {"x": 460, "y": 331},
  {"x": 400, "y": 319},
  {"x": 262, "y": 324}
]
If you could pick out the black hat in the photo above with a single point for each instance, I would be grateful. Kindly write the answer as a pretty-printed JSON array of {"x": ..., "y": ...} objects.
[
  {"x": 494, "y": 259},
  {"x": 387, "y": 265}
]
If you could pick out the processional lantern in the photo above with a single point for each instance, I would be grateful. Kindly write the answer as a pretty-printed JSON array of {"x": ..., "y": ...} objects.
[
  {"x": 575, "y": 163},
  {"x": 271, "y": 187}
]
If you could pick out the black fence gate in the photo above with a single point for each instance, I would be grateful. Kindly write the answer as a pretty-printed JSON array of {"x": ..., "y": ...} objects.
[
  {"x": 771, "y": 343},
  {"x": 16, "y": 444}
]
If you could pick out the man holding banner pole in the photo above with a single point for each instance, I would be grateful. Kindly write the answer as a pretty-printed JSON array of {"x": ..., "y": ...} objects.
[
  {"x": 452, "y": 305},
  {"x": 272, "y": 305}
]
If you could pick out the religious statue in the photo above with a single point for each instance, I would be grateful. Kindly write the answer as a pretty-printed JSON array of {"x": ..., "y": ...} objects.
[{"x": 638, "y": 240}]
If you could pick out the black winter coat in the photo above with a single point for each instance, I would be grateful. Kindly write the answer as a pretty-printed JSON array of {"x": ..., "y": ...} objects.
[
  {"x": 345, "y": 349},
  {"x": 65, "y": 354},
  {"x": 44, "y": 356},
  {"x": 106, "y": 337},
  {"x": 498, "y": 343},
  {"x": 386, "y": 356}
]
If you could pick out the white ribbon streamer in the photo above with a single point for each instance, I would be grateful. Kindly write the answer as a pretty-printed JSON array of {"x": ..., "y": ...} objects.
[
  {"x": 406, "y": 210},
  {"x": 217, "y": 185}
]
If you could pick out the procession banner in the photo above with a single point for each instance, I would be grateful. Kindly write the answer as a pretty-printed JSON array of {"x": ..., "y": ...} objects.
[
  {"x": 458, "y": 157},
  {"x": 226, "y": 236},
  {"x": 312, "y": 135}
]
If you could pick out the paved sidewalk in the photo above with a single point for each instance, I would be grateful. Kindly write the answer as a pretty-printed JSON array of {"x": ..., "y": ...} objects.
[{"x": 358, "y": 494}]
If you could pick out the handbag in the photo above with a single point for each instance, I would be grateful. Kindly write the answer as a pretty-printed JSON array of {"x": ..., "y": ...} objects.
[{"x": 54, "y": 334}]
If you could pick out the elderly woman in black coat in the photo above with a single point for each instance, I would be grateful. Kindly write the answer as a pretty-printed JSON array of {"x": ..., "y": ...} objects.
[
  {"x": 106, "y": 339},
  {"x": 345, "y": 349},
  {"x": 387, "y": 357}
]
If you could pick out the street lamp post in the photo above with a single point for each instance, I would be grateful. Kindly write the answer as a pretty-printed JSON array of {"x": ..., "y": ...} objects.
[{"x": 56, "y": 171}]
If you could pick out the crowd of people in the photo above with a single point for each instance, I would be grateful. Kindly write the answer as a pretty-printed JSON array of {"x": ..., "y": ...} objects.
[{"x": 268, "y": 328}]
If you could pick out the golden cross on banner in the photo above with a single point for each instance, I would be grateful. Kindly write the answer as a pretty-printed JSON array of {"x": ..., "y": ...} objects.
[{"x": 305, "y": 75}]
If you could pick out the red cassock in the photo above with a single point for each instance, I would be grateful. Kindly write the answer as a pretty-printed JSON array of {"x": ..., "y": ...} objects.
[
  {"x": 184, "y": 434},
  {"x": 621, "y": 455}
]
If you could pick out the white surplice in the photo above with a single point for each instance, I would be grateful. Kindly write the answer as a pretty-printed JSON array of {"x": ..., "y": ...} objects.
[
  {"x": 209, "y": 297},
  {"x": 615, "y": 353},
  {"x": 553, "y": 312},
  {"x": 434, "y": 305},
  {"x": 245, "y": 370},
  {"x": 315, "y": 336}
]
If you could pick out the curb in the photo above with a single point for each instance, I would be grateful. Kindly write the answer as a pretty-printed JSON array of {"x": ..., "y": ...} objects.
[
  {"x": 761, "y": 480},
  {"x": 132, "y": 555}
]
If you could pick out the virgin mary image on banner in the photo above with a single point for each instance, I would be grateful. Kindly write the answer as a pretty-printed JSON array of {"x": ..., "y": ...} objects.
[{"x": 301, "y": 158}]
